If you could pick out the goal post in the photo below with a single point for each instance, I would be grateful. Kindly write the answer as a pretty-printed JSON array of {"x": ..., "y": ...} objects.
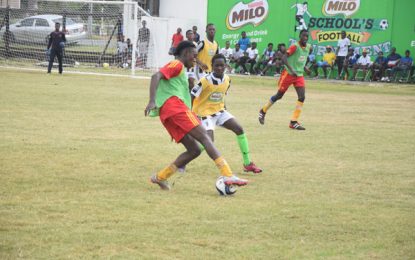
[{"x": 101, "y": 36}]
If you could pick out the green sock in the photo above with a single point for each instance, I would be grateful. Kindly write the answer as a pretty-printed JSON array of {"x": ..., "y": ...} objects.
[{"x": 243, "y": 146}]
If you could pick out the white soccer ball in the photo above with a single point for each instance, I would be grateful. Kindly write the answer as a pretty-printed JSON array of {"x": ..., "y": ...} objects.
[
  {"x": 224, "y": 189},
  {"x": 383, "y": 24}
]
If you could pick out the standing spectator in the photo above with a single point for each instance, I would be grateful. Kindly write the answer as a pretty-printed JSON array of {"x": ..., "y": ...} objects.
[
  {"x": 206, "y": 49},
  {"x": 227, "y": 53},
  {"x": 250, "y": 57},
  {"x": 404, "y": 65},
  {"x": 143, "y": 43},
  {"x": 55, "y": 47},
  {"x": 176, "y": 39},
  {"x": 342, "y": 46},
  {"x": 196, "y": 36},
  {"x": 328, "y": 61},
  {"x": 129, "y": 51},
  {"x": 244, "y": 41},
  {"x": 191, "y": 72},
  {"x": 378, "y": 67},
  {"x": 236, "y": 56},
  {"x": 122, "y": 50},
  {"x": 362, "y": 63},
  {"x": 349, "y": 62},
  {"x": 266, "y": 57}
]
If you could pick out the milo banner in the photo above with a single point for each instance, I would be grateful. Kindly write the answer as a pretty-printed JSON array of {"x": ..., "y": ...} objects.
[{"x": 375, "y": 25}]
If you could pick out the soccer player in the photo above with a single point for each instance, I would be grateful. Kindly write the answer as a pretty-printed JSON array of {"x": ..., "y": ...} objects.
[
  {"x": 206, "y": 50},
  {"x": 209, "y": 105},
  {"x": 170, "y": 99},
  {"x": 294, "y": 61},
  {"x": 55, "y": 47}
]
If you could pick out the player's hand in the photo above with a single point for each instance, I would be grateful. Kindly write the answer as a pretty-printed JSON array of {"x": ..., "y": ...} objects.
[
  {"x": 203, "y": 66},
  {"x": 294, "y": 74},
  {"x": 151, "y": 105},
  {"x": 307, "y": 70}
]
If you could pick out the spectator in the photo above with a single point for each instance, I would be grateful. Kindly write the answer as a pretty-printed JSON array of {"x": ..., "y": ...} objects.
[
  {"x": 311, "y": 59},
  {"x": 244, "y": 41},
  {"x": 176, "y": 39},
  {"x": 122, "y": 50},
  {"x": 342, "y": 47},
  {"x": 404, "y": 65},
  {"x": 276, "y": 61},
  {"x": 55, "y": 47},
  {"x": 227, "y": 53},
  {"x": 393, "y": 60},
  {"x": 378, "y": 67},
  {"x": 143, "y": 42},
  {"x": 190, "y": 37},
  {"x": 196, "y": 36},
  {"x": 362, "y": 63},
  {"x": 236, "y": 57},
  {"x": 129, "y": 52},
  {"x": 328, "y": 61},
  {"x": 266, "y": 57},
  {"x": 350, "y": 60},
  {"x": 250, "y": 57}
]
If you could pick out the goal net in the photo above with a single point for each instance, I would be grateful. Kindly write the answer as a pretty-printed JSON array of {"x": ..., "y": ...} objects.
[{"x": 102, "y": 36}]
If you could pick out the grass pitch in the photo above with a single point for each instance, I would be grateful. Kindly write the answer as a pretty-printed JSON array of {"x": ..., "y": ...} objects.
[{"x": 76, "y": 154}]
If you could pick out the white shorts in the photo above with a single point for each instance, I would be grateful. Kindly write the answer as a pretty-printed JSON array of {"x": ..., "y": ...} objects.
[{"x": 218, "y": 119}]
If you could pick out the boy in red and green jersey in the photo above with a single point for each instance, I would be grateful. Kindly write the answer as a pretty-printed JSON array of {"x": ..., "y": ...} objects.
[
  {"x": 170, "y": 99},
  {"x": 294, "y": 61}
]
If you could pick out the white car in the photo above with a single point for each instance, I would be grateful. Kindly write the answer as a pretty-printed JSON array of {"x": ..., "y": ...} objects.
[{"x": 36, "y": 29}]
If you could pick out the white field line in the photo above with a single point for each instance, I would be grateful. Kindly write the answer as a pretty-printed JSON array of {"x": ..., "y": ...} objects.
[{"x": 77, "y": 72}]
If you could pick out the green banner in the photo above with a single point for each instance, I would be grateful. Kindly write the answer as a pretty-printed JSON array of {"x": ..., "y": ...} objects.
[{"x": 368, "y": 23}]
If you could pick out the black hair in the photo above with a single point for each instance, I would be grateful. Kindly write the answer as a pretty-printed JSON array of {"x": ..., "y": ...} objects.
[
  {"x": 303, "y": 30},
  {"x": 243, "y": 32},
  {"x": 217, "y": 57},
  {"x": 209, "y": 24},
  {"x": 407, "y": 51},
  {"x": 183, "y": 46},
  {"x": 57, "y": 24},
  {"x": 188, "y": 31},
  {"x": 270, "y": 44}
]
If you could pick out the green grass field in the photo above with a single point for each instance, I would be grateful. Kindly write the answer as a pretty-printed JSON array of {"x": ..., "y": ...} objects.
[{"x": 76, "y": 154}]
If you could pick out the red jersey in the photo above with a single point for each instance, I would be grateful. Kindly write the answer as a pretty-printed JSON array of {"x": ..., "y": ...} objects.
[{"x": 177, "y": 38}]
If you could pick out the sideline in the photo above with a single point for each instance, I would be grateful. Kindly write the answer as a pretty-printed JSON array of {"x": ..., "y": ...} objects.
[{"x": 78, "y": 72}]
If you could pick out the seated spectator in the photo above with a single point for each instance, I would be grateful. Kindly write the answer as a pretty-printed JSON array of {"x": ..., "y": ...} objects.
[
  {"x": 250, "y": 57},
  {"x": 227, "y": 52},
  {"x": 276, "y": 60},
  {"x": 393, "y": 60},
  {"x": 378, "y": 67},
  {"x": 236, "y": 56},
  {"x": 362, "y": 63},
  {"x": 349, "y": 61},
  {"x": 311, "y": 59},
  {"x": 404, "y": 65},
  {"x": 328, "y": 61},
  {"x": 265, "y": 58}
]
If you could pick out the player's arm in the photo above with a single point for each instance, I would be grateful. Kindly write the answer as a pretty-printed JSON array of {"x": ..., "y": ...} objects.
[
  {"x": 155, "y": 79},
  {"x": 196, "y": 91},
  {"x": 63, "y": 37},
  {"x": 50, "y": 41}
]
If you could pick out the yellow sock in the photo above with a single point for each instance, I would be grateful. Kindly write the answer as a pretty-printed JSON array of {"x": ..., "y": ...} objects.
[
  {"x": 267, "y": 106},
  {"x": 223, "y": 166},
  {"x": 297, "y": 111},
  {"x": 166, "y": 172}
]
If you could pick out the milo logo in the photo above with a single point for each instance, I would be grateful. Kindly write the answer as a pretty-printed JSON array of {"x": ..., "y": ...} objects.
[
  {"x": 345, "y": 7},
  {"x": 216, "y": 97},
  {"x": 242, "y": 14}
]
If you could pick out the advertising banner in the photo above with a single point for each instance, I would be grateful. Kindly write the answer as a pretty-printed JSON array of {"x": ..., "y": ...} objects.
[{"x": 368, "y": 23}]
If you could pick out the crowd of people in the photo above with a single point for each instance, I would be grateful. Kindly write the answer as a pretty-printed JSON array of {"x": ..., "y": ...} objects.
[{"x": 343, "y": 60}]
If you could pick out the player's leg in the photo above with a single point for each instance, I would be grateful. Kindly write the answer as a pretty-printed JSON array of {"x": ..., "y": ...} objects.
[
  {"x": 284, "y": 82},
  {"x": 59, "y": 55},
  {"x": 51, "y": 59},
  {"x": 234, "y": 126},
  {"x": 199, "y": 133},
  {"x": 298, "y": 108}
]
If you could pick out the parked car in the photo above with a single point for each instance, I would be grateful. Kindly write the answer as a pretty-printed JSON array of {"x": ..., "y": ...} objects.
[{"x": 36, "y": 29}]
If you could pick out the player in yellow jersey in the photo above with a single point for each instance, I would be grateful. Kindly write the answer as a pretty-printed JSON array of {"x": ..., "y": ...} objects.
[
  {"x": 209, "y": 106},
  {"x": 206, "y": 50}
]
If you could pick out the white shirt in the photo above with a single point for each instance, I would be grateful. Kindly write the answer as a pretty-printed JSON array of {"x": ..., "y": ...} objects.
[
  {"x": 252, "y": 52},
  {"x": 364, "y": 60},
  {"x": 343, "y": 45},
  {"x": 238, "y": 54},
  {"x": 226, "y": 52}
]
